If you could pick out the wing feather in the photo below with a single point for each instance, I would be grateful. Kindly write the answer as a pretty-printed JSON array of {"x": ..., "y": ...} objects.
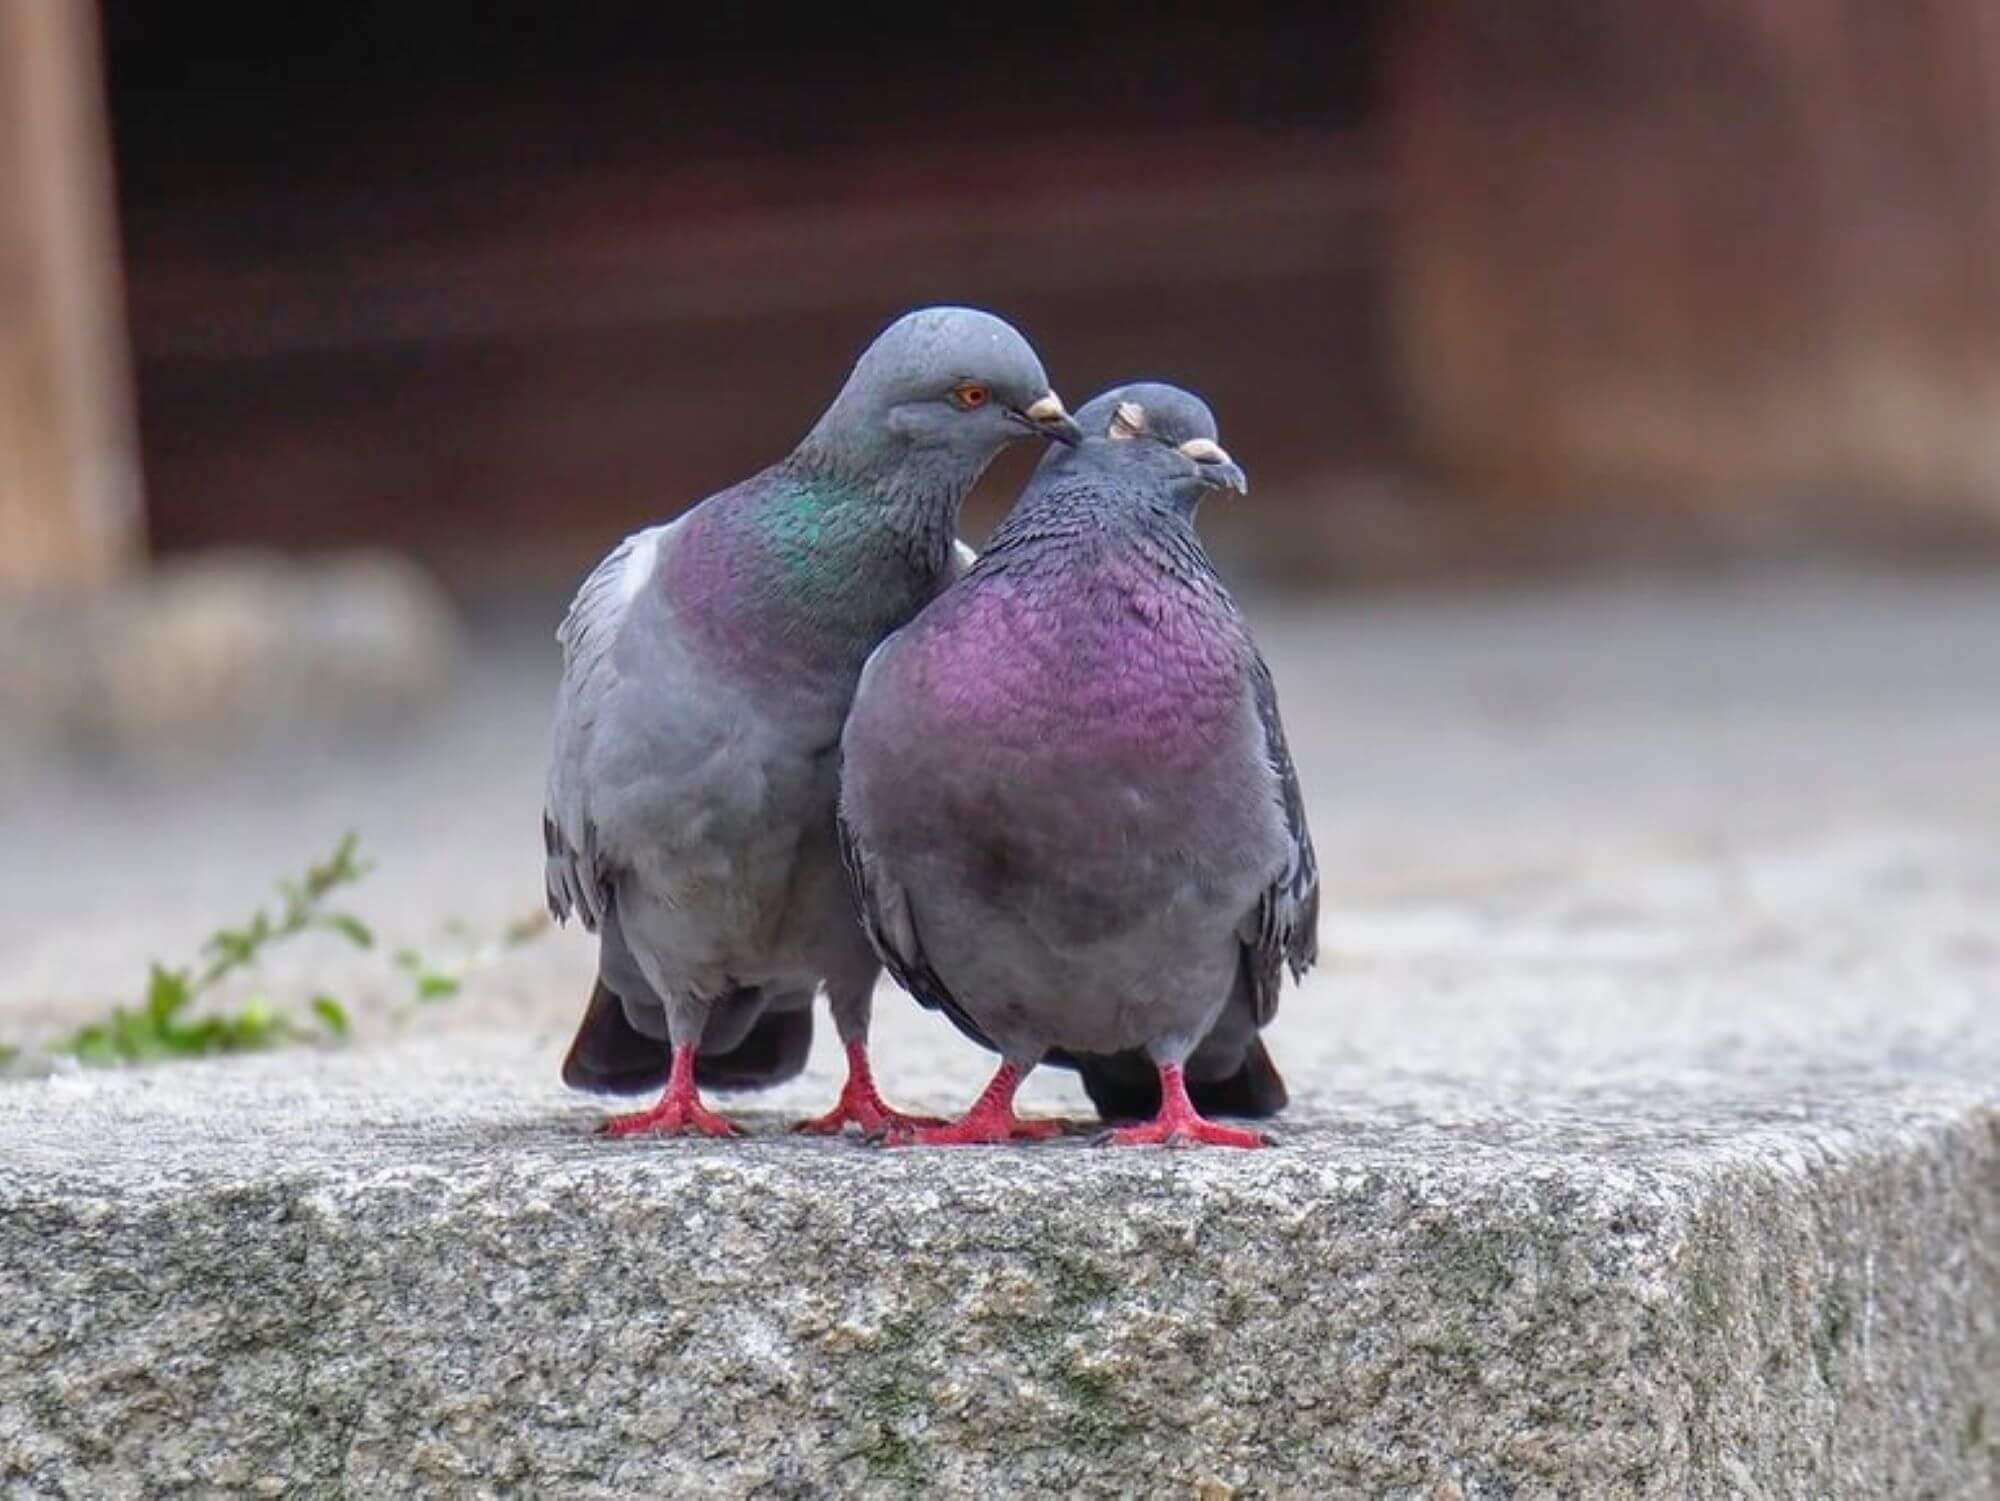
[
  {"x": 884, "y": 909},
  {"x": 1282, "y": 931},
  {"x": 575, "y": 874}
]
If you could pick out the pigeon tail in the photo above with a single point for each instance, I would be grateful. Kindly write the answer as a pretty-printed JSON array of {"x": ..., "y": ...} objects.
[
  {"x": 611, "y": 1056},
  {"x": 1179, "y": 1124},
  {"x": 773, "y": 1051},
  {"x": 679, "y": 1112},
  {"x": 1128, "y": 1088},
  {"x": 1256, "y": 1090}
]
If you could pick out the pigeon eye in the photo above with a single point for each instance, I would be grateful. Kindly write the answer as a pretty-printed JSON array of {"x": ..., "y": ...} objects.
[{"x": 969, "y": 394}]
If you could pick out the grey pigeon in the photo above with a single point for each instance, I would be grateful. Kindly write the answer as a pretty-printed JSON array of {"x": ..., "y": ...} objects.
[
  {"x": 1230, "y": 1072},
  {"x": 708, "y": 665},
  {"x": 1067, "y": 803}
]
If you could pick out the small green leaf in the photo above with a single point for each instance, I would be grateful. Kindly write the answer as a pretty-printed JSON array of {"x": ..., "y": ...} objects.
[
  {"x": 332, "y": 1015},
  {"x": 352, "y": 928},
  {"x": 337, "y": 869},
  {"x": 209, "y": 1035},
  {"x": 137, "y": 1034},
  {"x": 255, "y": 1026},
  {"x": 93, "y": 1045},
  {"x": 167, "y": 993},
  {"x": 432, "y": 986}
]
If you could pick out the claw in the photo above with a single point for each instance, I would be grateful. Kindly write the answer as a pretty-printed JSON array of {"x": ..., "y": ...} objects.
[
  {"x": 990, "y": 1121},
  {"x": 874, "y": 1120},
  {"x": 861, "y": 1103},
  {"x": 1188, "y": 1134},
  {"x": 966, "y": 1132},
  {"x": 679, "y": 1112},
  {"x": 670, "y": 1119},
  {"x": 1179, "y": 1124}
]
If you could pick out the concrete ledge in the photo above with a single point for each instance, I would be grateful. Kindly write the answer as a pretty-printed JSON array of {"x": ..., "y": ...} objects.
[{"x": 414, "y": 1273}]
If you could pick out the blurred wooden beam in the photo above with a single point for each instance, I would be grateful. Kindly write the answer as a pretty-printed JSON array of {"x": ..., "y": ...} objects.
[{"x": 69, "y": 477}]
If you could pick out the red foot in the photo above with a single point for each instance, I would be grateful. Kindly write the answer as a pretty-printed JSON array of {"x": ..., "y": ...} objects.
[
  {"x": 990, "y": 1121},
  {"x": 861, "y": 1103},
  {"x": 680, "y": 1111},
  {"x": 1179, "y": 1125}
]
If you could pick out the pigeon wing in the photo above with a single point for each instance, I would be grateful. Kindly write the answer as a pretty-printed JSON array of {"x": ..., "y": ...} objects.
[
  {"x": 884, "y": 910},
  {"x": 1282, "y": 931},
  {"x": 576, "y": 875}
]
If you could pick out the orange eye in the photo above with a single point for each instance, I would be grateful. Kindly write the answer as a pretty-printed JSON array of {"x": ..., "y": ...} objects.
[{"x": 968, "y": 395}]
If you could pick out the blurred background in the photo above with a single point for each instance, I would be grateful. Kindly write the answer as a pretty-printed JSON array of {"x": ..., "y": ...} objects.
[
  {"x": 336, "y": 341},
  {"x": 1474, "y": 283}
]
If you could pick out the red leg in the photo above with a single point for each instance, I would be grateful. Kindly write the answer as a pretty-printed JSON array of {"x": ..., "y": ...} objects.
[
  {"x": 991, "y": 1119},
  {"x": 1179, "y": 1124},
  {"x": 862, "y": 1103},
  {"x": 680, "y": 1111}
]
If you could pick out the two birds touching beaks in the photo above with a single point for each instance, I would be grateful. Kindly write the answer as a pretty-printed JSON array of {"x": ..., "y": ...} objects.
[{"x": 803, "y": 735}]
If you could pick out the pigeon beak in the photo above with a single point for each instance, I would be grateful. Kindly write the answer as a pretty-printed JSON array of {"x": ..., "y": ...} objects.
[
  {"x": 1218, "y": 470},
  {"x": 1047, "y": 418}
]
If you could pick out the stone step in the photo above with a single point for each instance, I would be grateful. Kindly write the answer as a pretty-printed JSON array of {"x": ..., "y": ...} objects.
[{"x": 416, "y": 1272}]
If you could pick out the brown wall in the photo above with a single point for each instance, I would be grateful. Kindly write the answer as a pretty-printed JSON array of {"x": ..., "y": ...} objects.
[
  {"x": 513, "y": 278},
  {"x": 1468, "y": 280},
  {"x": 1737, "y": 259}
]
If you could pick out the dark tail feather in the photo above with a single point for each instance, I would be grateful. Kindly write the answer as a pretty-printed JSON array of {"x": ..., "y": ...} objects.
[
  {"x": 1122, "y": 1088},
  {"x": 1254, "y": 1090},
  {"x": 773, "y": 1051},
  {"x": 609, "y": 1054},
  {"x": 1127, "y": 1088}
]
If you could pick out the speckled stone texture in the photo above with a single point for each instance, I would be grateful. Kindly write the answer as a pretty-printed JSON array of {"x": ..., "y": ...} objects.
[
  {"x": 1647, "y": 1137},
  {"x": 416, "y": 1274}
]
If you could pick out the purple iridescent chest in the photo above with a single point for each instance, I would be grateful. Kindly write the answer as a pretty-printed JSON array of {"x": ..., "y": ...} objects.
[{"x": 1108, "y": 664}]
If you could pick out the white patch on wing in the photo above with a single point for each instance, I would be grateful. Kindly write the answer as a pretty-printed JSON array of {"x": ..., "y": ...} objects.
[
  {"x": 644, "y": 551},
  {"x": 965, "y": 555}
]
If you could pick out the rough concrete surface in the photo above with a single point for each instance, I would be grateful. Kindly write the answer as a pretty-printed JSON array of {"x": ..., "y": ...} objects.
[{"x": 1647, "y": 1138}]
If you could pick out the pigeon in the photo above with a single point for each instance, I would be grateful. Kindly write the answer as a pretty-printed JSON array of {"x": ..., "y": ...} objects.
[
  {"x": 1230, "y": 1071},
  {"x": 708, "y": 665},
  {"x": 1067, "y": 804}
]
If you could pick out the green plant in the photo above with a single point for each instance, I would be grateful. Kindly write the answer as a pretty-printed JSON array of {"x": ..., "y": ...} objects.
[
  {"x": 164, "y": 1024},
  {"x": 168, "y": 1023},
  {"x": 433, "y": 980},
  {"x": 432, "y": 983}
]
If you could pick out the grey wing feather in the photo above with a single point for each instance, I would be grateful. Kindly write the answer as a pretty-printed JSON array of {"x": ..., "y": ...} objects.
[
  {"x": 1282, "y": 931},
  {"x": 575, "y": 875},
  {"x": 885, "y": 915}
]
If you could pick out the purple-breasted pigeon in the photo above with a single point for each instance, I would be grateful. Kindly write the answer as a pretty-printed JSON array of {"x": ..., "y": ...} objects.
[
  {"x": 708, "y": 665},
  {"x": 1067, "y": 803}
]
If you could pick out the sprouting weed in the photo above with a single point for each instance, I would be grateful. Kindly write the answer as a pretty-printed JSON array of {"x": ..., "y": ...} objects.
[
  {"x": 163, "y": 1024},
  {"x": 168, "y": 1024}
]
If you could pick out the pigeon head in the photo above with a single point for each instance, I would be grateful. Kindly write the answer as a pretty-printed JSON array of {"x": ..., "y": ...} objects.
[
  {"x": 939, "y": 393},
  {"x": 1169, "y": 432}
]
